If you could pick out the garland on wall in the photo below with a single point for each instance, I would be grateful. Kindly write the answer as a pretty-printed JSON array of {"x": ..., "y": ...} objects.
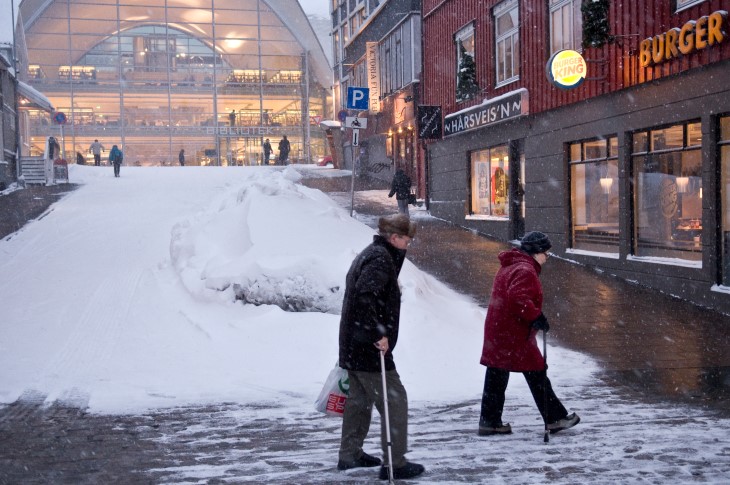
[{"x": 595, "y": 23}]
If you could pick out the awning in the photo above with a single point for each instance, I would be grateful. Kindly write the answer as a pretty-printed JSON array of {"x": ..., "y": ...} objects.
[{"x": 30, "y": 98}]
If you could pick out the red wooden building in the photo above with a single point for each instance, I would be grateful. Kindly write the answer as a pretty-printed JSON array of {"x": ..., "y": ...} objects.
[{"x": 626, "y": 167}]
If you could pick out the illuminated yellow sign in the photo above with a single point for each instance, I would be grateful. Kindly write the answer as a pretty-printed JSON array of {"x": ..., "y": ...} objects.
[
  {"x": 694, "y": 35},
  {"x": 566, "y": 69}
]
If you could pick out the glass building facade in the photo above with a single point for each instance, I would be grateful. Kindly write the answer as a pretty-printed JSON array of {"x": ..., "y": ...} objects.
[{"x": 213, "y": 77}]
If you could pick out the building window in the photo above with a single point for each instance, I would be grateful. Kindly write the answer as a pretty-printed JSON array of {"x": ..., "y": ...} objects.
[
  {"x": 490, "y": 182},
  {"x": 466, "y": 68},
  {"x": 682, "y": 4},
  {"x": 667, "y": 167},
  {"x": 725, "y": 195},
  {"x": 566, "y": 25},
  {"x": 507, "y": 41},
  {"x": 594, "y": 194}
]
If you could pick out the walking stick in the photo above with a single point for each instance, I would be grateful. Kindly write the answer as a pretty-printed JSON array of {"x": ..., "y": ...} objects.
[
  {"x": 546, "y": 438},
  {"x": 387, "y": 418}
]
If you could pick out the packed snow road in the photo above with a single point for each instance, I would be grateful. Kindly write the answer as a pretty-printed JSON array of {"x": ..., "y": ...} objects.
[{"x": 176, "y": 325}]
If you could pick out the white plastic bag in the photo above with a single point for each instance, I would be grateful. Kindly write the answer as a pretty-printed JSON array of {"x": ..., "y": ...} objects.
[{"x": 332, "y": 399}]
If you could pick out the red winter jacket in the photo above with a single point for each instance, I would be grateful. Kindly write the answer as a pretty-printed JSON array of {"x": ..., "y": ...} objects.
[{"x": 509, "y": 341}]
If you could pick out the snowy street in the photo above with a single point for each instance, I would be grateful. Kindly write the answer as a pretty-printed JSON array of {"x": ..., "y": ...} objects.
[{"x": 175, "y": 325}]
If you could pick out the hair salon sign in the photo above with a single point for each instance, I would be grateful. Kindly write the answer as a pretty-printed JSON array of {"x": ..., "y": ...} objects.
[{"x": 490, "y": 112}]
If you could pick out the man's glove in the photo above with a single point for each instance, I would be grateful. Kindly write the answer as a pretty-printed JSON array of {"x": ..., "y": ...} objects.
[{"x": 541, "y": 323}]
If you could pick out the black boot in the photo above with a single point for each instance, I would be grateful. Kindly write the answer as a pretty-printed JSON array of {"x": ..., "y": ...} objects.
[
  {"x": 409, "y": 470},
  {"x": 365, "y": 461}
]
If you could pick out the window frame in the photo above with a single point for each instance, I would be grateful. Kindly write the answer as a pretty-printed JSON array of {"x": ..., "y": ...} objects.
[
  {"x": 513, "y": 37},
  {"x": 466, "y": 32},
  {"x": 486, "y": 154},
  {"x": 576, "y": 31}
]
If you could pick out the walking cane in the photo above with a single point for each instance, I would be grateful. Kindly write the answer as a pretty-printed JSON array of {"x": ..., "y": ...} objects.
[
  {"x": 546, "y": 438},
  {"x": 387, "y": 418}
]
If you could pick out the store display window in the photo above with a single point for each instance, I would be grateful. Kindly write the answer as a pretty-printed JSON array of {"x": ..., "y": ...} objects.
[
  {"x": 594, "y": 194},
  {"x": 667, "y": 168},
  {"x": 490, "y": 182}
]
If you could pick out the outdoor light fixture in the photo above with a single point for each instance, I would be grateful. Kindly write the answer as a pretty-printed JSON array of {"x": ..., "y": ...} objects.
[
  {"x": 400, "y": 129},
  {"x": 682, "y": 184},
  {"x": 390, "y": 133}
]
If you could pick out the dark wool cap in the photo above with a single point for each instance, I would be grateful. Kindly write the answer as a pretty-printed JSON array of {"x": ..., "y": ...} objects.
[
  {"x": 535, "y": 242},
  {"x": 397, "y": 224}
]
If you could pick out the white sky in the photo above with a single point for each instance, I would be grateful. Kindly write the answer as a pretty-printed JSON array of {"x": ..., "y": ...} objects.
[
  {"x": 318, "y": 7},
  {"x": 122, "y": 298}
]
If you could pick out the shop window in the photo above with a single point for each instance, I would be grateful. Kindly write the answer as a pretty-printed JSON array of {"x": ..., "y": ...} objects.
[
  {"x": 507, "y": 35},
  {"x": 594, "y": 195},
  {"x": 667, "y": 168},
  {"x": 490, "y": 182},
  {"x": 466, "y": 68},
  {"x": 725, "y": 196},
  {"x": 566, "y": 25}
]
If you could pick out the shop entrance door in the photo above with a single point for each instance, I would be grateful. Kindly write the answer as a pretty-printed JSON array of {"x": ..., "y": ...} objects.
[{"x": 517, "y": 190}]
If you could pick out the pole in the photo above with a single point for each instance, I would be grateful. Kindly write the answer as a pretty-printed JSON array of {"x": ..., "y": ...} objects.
[
  {"x": 546, "y": 437},
  {"x": 387, "y": 418},
  {"x": 352, "y": 186}
]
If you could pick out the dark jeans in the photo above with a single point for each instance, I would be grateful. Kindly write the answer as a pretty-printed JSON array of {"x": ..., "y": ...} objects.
[
  {"x": 495, "y": 385},
  {"x": 116, "y": 169},
  {"x": 97, "y": 159}
]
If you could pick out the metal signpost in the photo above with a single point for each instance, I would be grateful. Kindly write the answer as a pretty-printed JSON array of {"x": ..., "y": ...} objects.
[{"x": 358, "y": 99}]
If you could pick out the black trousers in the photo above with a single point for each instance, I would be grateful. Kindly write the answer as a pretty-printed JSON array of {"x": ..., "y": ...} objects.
[
  {"x": 97, "y": 159},
  {"x": 495, "y": 385}
]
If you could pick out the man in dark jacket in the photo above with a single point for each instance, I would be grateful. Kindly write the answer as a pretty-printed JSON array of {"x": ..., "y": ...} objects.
[
  {"x": 510, "y": 345},
  {"x": 115, "y": 158},
  {"x": 369, "y": 325},
  {"x": 401, "y": 187},
  {"x": 267, "y": 151},
  {"x": 284, "y": 148}
]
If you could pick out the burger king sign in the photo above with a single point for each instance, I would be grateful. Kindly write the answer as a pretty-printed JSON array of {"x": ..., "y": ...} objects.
[{"x": 566, "y": 69}]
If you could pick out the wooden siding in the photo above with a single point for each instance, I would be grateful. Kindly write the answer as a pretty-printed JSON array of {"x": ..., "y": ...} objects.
[{"x": 612, "y": 67}]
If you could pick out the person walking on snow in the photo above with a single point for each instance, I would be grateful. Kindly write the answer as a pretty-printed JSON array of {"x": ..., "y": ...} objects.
[
  {"x": 369, "y": 324},
  {"x": 181, "y": 157},
  {"x": 401, "y": 187},
  {"x": 514, "y": 318},
  {"x": 96, "y": 148},
  {"x": 267, "y": 151},
  {"x": 284, "y": 148},
  {"x": 115, "y": 158}
]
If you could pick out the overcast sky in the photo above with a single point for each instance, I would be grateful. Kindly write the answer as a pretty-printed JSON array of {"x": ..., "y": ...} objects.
[{"x": 318, "y": 7}]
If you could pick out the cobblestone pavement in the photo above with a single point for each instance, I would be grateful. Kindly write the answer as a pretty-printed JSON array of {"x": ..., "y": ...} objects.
[{"x": 668, "y": 390}]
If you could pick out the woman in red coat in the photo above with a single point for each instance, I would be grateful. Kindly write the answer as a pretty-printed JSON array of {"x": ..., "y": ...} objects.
[{"x": 510, "y": 345}]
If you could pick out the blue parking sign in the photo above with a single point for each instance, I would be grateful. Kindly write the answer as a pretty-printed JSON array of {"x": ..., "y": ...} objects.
[{"x": 358, "y": 98}]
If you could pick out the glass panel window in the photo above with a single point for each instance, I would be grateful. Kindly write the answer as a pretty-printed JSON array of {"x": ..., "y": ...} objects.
[
  {"x": 490, "y": 182},
  {"x": 466, "y": 68},
  {"x": 566, "y": 25},
  {"x": 594, "y": 194},
  {"x": 507, "y": 33},
  {"x": 668, "y": 193},
  {"x": 725, "y": 196}
]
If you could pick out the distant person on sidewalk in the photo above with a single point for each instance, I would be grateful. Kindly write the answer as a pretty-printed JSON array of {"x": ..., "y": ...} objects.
[
  {"x": 181, "y": 157},
  {"x": 513, "y": 320},
  {"x": 96, "y": 148},
  {"x": 115, "y": 158},
  {"x": 284, "y": 148},
  {"x": 368, "y": 325},
  {"x": 267, "y": 151},
  {"x": 401, "y": 187}
]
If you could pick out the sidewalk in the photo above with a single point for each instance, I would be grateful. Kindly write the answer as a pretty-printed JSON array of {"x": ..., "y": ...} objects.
[{"x": 651, "y": 343}]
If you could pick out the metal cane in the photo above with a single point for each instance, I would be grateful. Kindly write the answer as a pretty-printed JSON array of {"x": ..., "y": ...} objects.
[
  {"x": 387, "y": 418},
  {"x": 546, "y": 438}
]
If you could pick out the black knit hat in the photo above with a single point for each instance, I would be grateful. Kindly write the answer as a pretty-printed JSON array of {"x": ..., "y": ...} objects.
[{"x": 535, "y": 242}]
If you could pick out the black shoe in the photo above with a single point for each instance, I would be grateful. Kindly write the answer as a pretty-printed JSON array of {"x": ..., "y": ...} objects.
[
  {"x": 365, "y": 461},
  {"x": 567, "y": 422},
  {"x": 498, "y": 428},
  {"x": 409, "y": 470}
]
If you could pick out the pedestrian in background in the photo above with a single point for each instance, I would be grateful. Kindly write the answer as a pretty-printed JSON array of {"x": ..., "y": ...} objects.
[
  {"x": 284, "y": 148},
  {"x": 96, "y": 148},
  {"x": 401, "y": 187},
  {"x": 80, "y": 160},
  {"x": 181, "y": 157},
  {"x": 267, "y": 151},
  {"x": 514, "y": 318},
  {"x": 369, "y": 324},
  {"x": 115, "y": 158}
]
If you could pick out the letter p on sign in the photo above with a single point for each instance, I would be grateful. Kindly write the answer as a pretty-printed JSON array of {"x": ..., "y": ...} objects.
[{"x": 357, "y": 98}]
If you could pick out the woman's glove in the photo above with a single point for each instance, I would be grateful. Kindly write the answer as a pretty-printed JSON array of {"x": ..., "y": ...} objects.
[{"x": 541, "y": 323}]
